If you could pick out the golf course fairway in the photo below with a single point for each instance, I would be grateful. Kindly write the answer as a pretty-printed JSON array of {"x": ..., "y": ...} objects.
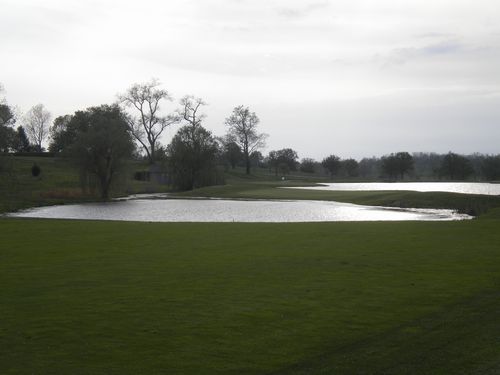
[{"x": 87, "y": 297}]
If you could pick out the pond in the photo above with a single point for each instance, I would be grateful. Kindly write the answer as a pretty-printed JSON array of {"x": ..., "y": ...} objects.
[
  {"x": 452, "y": 187},
  {"x": 224, "y": 210}
]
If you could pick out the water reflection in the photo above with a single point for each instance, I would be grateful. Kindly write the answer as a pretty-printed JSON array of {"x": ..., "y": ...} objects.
[
  {"x": 452, "y": 187},
  {"x": 222, "y": 210}
]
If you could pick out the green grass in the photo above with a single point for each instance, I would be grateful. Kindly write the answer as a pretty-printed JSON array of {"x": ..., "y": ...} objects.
[
  {"x": 308, "y": 298},
  {"x": 58, "y": 183},
  {"x": 305, "y": 298},
  {"x": 19, "y": 189}
]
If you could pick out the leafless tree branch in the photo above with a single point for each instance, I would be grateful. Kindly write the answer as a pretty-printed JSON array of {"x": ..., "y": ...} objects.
[{"x": 148, "y": 125}]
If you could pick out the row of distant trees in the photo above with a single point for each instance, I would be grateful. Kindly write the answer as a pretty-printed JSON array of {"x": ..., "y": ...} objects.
[{"x": 395, "y": 166}]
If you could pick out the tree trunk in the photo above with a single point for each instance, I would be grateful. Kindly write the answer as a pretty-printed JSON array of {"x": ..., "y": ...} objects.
[
  {"x": 104, "y": 188},
  {"x": 248, "y": 165},
  {"x": 152, "y": 154},
  {"x": 247, "y": 162}
]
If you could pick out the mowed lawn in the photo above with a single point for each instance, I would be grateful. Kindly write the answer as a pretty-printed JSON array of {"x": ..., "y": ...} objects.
[{"x": 86, "y": 297}]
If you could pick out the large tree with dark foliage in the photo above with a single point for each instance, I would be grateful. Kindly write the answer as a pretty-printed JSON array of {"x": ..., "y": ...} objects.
[
  {"x": 256, "y": 159},
  {"x": 102, "y": 143},
  {"x": 455, "y": 167},
  {"x": 6, "y": 115},
  {"x": 307, "y": 165},
  {"x": 283, "y": 161},
  {"x": 242, "y": 129},
  {"x": 21, "y": 142},
  {"x": 62, "y": 133},
  {"x": 7, "y": 137},
  {"x": 350, "y": 167},
  {"x": 397, "y": 165},
  {"x": 369, "y": 167},
  {"x": 192, "y": 158},
  {"x": 7, "y": 120},
  {"x": 233, "y": 154},
  {"x": 491, "y": 167},
  {"x": 332, "y": 164},
  {"x": 193, "y": 152}
]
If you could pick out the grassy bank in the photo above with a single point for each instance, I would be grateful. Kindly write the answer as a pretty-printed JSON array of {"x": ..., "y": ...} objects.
[
  {"x": 347, "y": 298},
  {"x": 58, "y": 183}
]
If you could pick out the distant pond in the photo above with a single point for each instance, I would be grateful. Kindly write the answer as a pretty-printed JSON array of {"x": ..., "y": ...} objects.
[
  {"x": 452, "y": 187},
  {"x": 224, "y": 210}
]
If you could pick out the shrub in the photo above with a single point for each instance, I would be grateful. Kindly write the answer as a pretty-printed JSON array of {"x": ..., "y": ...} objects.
[{"x": 35, "y": 170}]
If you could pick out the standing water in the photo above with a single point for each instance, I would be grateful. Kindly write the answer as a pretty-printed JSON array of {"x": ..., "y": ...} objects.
[
  {"x": 223, "y": 210},
  {"x": 451, "y": 187}
]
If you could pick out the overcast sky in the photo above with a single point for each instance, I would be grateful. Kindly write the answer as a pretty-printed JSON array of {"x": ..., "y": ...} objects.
[{"x": 351, "y": 77}]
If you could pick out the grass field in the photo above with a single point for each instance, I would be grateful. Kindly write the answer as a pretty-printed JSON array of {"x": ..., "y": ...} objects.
[
  {"x": 323, "y": 298},
  {"x": 84, "y": 297}
]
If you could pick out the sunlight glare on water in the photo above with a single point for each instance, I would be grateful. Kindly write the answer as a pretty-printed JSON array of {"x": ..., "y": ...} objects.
[{"x": 222, "y": 210}]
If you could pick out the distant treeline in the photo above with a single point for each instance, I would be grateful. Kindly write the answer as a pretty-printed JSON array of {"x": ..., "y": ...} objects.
[
  {"x": 433, "y": 166},
  {"x": 396, "y": 166}
]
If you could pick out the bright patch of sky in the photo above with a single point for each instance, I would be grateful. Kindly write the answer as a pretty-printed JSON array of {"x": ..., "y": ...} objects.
[{"x": 355, "y": 78}]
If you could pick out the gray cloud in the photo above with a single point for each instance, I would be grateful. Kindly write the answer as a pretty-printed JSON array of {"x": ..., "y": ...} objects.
[
  {"x": 440, "y": 48},
  {"x": 403, "y": 55}
]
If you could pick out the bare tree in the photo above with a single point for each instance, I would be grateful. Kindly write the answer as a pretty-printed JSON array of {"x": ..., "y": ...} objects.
[
  {"x": 190, "y": 110},
  {"x": 36, "y": 121},
  {"x": 242, "y": 130},
  {"x": 148, "y": 125}
]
